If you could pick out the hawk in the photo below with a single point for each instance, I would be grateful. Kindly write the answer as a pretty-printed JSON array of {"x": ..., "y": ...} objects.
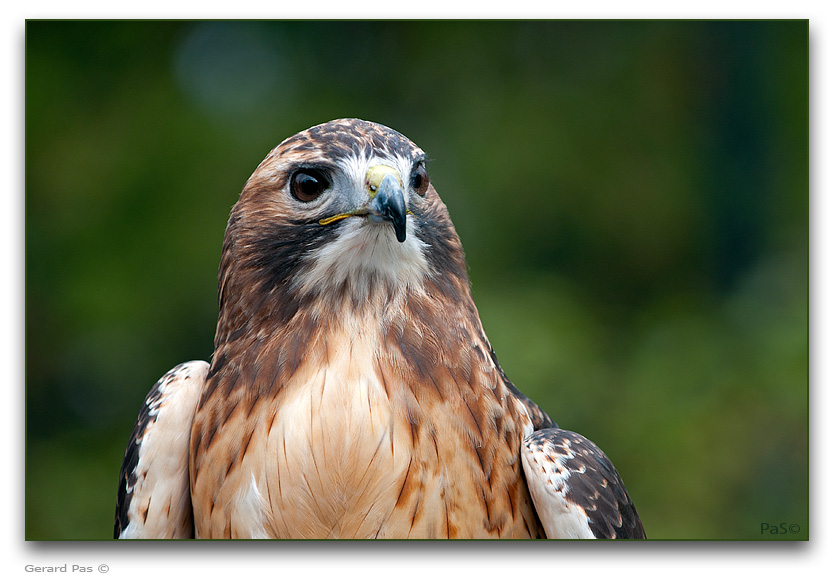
[{"x": 352, "y": 392}]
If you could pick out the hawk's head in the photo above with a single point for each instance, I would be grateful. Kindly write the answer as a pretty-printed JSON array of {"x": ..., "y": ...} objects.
[{"x": 342, "y": 213}]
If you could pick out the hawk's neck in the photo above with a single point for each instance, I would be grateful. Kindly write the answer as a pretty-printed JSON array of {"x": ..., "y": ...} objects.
[{"x": 418, "y": 312}]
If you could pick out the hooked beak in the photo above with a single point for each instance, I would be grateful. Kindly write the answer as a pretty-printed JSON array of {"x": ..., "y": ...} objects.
[
  {"x": 389, "y": 204},
  {"x": 387, "y": 201}
]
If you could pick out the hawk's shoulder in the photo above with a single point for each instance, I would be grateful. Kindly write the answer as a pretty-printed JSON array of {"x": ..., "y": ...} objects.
[
  {"x": 575, "y": 488},
  {"x": 156, "y": 459}
]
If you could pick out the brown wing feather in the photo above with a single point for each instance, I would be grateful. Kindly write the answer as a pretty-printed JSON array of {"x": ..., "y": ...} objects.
[
  {"x": 576, "y": 489},
  {"x": 153, "y": 499}
]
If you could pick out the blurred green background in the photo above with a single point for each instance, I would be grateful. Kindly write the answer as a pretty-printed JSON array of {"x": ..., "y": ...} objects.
[{"x": 632, "y": 197}]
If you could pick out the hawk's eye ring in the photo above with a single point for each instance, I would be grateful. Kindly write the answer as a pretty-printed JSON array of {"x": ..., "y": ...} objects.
[
  {"x": 419, "y": 180},
  {"x": 308, "y": 184}
]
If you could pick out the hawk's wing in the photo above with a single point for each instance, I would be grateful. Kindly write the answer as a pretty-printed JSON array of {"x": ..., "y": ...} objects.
[
  {"x": 576, "y": 490},
  {"x": 154, "y": 499}
]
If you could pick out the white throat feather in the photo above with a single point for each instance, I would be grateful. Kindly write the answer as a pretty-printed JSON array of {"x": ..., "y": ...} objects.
[{"x": 365, "y": 257}]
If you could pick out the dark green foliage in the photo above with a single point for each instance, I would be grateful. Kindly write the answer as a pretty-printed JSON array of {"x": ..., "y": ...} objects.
[{"x": 632, "y": 198}]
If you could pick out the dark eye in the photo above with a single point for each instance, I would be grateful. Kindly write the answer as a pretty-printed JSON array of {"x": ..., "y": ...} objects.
[
  {"x": 419, "y": 180},
  {"x": 307, "y": 184}
]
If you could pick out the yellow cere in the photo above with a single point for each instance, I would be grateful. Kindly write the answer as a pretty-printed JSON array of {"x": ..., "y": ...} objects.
[{"x": 374, "y": 177}]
